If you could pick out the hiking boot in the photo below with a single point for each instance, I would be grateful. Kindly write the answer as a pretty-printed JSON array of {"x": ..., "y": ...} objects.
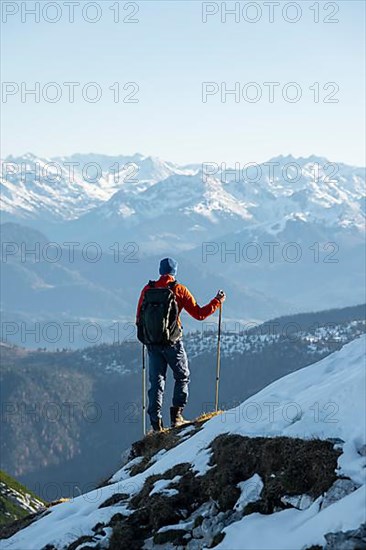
[
  {"x": 176, "y": 417},
  {"x": 157, "y": 425}
]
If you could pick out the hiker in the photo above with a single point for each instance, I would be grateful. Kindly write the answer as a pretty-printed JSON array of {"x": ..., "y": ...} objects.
[{"x": 160, "y": 329}]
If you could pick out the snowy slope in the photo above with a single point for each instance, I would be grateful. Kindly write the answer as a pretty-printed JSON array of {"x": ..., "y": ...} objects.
[
  {"x": 324, "y": 400},
  {"x": 16, "y": 500}
]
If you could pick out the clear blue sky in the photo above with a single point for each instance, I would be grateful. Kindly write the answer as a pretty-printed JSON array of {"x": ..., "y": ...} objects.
[{"x": 169, "y": 53}]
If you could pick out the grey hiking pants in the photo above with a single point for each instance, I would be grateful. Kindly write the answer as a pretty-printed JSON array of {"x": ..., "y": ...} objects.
[{"x": 160, "y": 356}]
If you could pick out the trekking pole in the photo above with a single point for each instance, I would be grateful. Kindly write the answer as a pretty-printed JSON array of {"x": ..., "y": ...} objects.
[
  {"x": 218, "y": 361},
  {"x": 143, "y": 390}
]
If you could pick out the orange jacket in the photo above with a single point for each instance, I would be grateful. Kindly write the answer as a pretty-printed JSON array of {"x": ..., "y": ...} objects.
[{"x": 184, "y": 298}]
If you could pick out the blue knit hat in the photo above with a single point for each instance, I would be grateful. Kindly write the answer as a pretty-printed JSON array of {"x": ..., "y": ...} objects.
[{"x": 168, "y": 266}]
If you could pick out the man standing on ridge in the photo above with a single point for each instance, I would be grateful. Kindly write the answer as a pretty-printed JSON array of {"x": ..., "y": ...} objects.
[{"x": 160, "y": 329}]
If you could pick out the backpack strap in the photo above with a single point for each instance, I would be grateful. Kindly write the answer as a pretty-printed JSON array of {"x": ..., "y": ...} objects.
[{"x": 170, "y": 285}]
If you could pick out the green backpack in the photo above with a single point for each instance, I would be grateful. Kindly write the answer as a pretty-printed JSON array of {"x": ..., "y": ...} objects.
[{"x": 158, "y": 318}]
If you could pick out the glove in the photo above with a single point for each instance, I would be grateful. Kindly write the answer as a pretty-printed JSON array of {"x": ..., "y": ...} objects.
[{"x": 221, "y": 296}]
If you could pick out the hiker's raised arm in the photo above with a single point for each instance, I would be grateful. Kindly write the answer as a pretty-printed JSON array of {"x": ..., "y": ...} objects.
[{"x": 198, "y": 312}]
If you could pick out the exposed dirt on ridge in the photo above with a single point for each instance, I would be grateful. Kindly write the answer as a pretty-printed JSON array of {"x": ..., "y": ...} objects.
[{"x": 287, "y": 466}]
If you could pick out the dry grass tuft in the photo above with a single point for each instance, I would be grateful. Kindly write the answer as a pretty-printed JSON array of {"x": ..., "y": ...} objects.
[{"x": 154, "y": 442}]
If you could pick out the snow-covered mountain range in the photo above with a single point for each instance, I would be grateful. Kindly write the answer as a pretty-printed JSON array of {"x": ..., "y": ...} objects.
[
  {"x": 179, "y": 205},
  {"x": 63, "y": 188},
  {"x": 212, "y": 218},
  {"x": 293, "y": 478}
]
